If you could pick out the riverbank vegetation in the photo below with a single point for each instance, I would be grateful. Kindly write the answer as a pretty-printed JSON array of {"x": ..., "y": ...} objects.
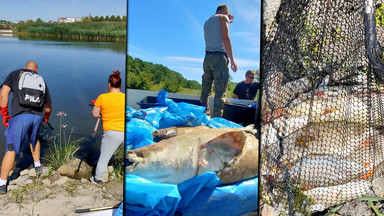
[
  {"x": 89, "y": 28},
  {"x": 155, "y": 77}
]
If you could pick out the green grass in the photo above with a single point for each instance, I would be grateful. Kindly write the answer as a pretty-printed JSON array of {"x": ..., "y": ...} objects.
[
  {"x": 115, "y": 30},
  {"x": 63, "y": 148},
  {"x": 118, "y": 162}
]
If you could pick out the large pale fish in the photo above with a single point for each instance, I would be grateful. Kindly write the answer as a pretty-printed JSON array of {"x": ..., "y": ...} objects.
[
  {"x": 176, "y": 131},
  {"x": 299, "y": 139},
  {"x": 326, "y": 197},
  {"x": 231, "y": 153},
  {"x": 326, "y": 170}
]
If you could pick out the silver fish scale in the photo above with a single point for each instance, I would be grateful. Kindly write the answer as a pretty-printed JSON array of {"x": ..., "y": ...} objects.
[{"x": 322, "y": 137}]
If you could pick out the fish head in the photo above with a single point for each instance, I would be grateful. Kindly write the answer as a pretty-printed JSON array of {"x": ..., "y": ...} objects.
[{"x": 220, "y": 151}]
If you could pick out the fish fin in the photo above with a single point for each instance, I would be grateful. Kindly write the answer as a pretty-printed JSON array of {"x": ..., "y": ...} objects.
[
  {"x": 250, "y": 129},
  {"x": 220, "y": 151},
  {"x": 134, "y": 159}
]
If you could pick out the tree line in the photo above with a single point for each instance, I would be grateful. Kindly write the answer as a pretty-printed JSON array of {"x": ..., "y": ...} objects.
[
  {"x": 148, "y": 76},
  {"x": 94, "y": 28},
  {"x": 155, "y": 77}
]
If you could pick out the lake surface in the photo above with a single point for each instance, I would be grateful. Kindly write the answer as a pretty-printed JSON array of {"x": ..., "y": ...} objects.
[{"x": 76, "y": 72}]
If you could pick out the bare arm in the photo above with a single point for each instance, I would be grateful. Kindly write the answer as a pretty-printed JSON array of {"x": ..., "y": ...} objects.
[
  {"x": 4, "y": 95},
  {"x": 96, "y": 111},
  {"x": 227, "y": 40}
]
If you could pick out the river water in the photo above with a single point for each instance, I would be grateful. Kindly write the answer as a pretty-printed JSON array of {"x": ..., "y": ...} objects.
[{"x": 76, "y": 72}]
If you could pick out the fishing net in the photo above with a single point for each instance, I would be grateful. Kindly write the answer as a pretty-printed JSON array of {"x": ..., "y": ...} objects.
[{"x": 322, "y": 104}]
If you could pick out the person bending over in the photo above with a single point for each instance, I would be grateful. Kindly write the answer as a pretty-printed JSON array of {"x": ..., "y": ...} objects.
[{"x": 111, "y": 106}]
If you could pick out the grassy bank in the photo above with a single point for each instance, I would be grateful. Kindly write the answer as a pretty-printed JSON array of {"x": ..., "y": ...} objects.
[{"x": 108, "y": 30}]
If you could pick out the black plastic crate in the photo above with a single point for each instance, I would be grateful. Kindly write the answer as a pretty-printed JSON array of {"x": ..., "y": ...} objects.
[
  {"x": 150, "y": 101},
  {"x": 240, "y": 114}
]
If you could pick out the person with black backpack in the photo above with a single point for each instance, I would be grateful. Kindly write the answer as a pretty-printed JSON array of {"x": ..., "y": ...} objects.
[{"x": 31, "y": 105}]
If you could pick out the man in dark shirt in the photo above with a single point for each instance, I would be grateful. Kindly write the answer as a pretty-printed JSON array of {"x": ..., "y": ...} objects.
[
  {"x": 246, "y": 89},
  {"x": 25, "y": 121}
]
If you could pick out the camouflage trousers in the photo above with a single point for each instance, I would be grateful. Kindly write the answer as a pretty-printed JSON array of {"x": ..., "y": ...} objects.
[{"x": 215, "y": 71}]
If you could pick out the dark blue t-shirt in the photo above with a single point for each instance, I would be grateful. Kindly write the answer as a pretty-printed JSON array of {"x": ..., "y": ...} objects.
[
  {"x": 246, "y": 91},
  {"x": 12, "y": 81}
]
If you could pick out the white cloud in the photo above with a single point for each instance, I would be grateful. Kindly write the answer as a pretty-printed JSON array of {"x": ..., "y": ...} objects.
[
  {"x": 247, "y": 63},
  {"x": 186, "y": 59}
]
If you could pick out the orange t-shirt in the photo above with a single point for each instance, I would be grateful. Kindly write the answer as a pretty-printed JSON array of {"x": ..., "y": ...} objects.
[{"x": 112, "y": 106}]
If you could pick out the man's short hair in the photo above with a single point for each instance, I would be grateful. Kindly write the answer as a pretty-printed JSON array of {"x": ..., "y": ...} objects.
[
  {"x": 249, "y": 72},
  {"x": 222, "y": 7}
]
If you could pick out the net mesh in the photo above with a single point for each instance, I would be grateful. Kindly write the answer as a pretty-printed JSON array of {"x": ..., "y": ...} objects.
[{"x": 322, "y": 106}]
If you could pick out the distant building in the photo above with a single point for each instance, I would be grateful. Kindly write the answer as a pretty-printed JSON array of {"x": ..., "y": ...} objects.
[{"x": 68, "y": 19}]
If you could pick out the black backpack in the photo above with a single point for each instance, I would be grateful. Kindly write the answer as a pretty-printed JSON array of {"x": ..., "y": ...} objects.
[{"x": 32, "y": 90}]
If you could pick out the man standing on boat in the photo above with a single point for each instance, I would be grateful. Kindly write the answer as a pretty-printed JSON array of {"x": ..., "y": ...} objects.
[
  {"x": 30, "y": 102},
  {"x": 218, "y": 48}
]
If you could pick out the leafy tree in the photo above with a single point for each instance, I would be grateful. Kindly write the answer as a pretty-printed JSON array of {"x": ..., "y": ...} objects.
[
  {"x": 86, "y": 20},
  {"x": 124, "y": 18},
  {"x": 21, "y": 23},
  {"x": 39, "y": 21},
  {"x": 193, "y": 84},
  {"x": 101, "y": 18},
  {"x": 29, "y": 22},
  {"x": 118, "y": 18},
  {"x": 96, "y": 19},
  {"x": 112, "y": 18},
  {"x": 107, "y": 18}
]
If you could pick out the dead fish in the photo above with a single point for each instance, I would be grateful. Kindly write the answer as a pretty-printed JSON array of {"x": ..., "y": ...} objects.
[
  {"x": 232, "y": 155},
  {"x": 326, "y": 197},
  {"x": 166, "y": 133},
  {"x": 176, "y": 131},
  {"x": 338, "y": 108},
  {"x": 302, "y": 139},
  {"x": 325, "y": 170}
]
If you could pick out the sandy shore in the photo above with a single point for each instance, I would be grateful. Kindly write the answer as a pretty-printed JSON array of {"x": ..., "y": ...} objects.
[{"x": 59, "y": 196}]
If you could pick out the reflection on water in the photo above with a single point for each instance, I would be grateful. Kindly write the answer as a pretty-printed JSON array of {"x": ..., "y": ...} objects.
[
  {"x": 76, "y": 72},
  {"x": 118, "y": 46}
]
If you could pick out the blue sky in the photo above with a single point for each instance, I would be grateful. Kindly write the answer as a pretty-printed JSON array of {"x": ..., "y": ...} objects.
[
  {"x": 170, "y": 32},
  {"x": 22, "y": 10}
]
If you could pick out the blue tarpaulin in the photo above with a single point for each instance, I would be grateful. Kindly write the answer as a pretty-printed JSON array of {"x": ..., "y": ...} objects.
[{"x": 201, "y": 195}]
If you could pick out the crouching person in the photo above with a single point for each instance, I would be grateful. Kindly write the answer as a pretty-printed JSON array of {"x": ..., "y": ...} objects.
[{"x": 31, "y": 105}]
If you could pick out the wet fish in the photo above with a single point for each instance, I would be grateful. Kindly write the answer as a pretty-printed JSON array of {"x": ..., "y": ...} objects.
[
  {"x": 300, "y": 139},
  {"x": 231, "y": 153},
  {"x": 326, "y": 197},
  {"x": 176, "y": 131},
  {"x": 325, "y": 170},
  {"x": 337, "y": 108},
  {"x": 166, "y": 133}
]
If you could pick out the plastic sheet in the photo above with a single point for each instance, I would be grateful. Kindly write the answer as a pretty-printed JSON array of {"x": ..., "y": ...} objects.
[
  {"x": 138, "y": 133},
  {"x": 201, "y": 195},
  {"x": 225, "y": 200},
  {"x": 143, "y": 197},
  {"x": 218, "y": 122}
]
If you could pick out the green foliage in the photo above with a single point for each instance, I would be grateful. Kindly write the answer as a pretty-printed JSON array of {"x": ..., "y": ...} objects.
[
  {"x": 230, "y": 88},
  {"x": 118, "y": 161},
  {"x": 85, "y": 29},
  {"x": 380, "y": 15},
  {"x": 39, "y": 21},
  {"x": 148, "y": 76},
  {"x": 63, "y": 148}
]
